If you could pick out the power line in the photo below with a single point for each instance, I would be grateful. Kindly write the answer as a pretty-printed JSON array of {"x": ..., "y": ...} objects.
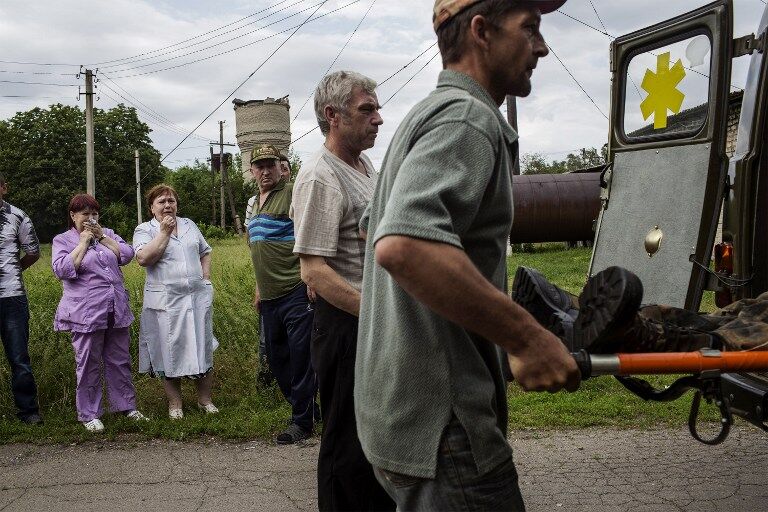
[
  {"x": 242, "y": 46},
  {"x": 146, "y": 119},
  {"x": 390, "y": 77},
  {"x": 35, "y": 73},
  {"x": 598, "y": 16},
  {"x": 412, "y": 77},
  {"x": 393, "y": 75},
  {"x": 337, "y": 55},
  {"x": 577, "y": 82},
  {"x": 613, "y": 38},
  {"x": 246, "y": 79},
  {"x": 197, "y": 36},
  {"x": 38, "y": 63},
  {"x": 260, "y": 29},
  {"x": 157, "y": 114},
  {"x": 157, "y": 119},
  {"x": 37, "y": 83}
]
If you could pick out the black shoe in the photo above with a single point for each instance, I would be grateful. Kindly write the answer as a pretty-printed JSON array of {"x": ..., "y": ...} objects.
[
  {"x": 608, "y": 308},
  {"x": 552, "y": 307},
  {"x": 32, "y": 419},
  {"x": 292, "y": 434}
]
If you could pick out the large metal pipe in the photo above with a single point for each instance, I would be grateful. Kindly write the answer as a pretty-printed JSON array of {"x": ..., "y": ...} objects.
[{"x": 555, "y": 207}]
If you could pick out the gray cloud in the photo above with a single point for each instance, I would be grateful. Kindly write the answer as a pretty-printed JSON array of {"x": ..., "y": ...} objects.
[{"x": 555, "y": 118}]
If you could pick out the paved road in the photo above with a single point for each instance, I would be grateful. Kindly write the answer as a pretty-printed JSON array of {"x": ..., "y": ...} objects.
[{"x": 583, "y": 470}]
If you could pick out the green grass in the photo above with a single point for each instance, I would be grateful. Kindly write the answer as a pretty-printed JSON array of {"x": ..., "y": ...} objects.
[{"x": 249, "y": 411}]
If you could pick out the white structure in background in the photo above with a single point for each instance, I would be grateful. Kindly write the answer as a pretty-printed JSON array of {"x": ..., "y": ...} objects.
[{"x": 265, "y": 121}]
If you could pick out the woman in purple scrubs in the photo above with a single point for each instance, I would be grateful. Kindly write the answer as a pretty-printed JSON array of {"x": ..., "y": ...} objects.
[{"x": 95, "y": 308}]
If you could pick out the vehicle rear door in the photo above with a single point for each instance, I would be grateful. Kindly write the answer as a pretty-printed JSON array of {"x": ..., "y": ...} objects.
[{"x": 661, "y": 198}]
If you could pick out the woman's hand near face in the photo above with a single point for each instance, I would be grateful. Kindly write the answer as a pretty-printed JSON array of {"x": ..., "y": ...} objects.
[
  {"x": 86, "y": 236},
  {"x": 168, "y": 224},
  {"x": 95, "y": 229}
]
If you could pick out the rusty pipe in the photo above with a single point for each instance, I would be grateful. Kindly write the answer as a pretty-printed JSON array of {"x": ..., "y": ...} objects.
[{"x": 555, "y": 207}]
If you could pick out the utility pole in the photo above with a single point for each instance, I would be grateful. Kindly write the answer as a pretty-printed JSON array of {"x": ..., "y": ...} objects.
[
  {"x": 225, "y": 182},
  {"x": 138, "y": 186},
  {"x": 512, "y": 119},
  {"x": 221, "y": 174},
  {"x": 213, "y": 189},
  {"x": 90, "y": 171}
]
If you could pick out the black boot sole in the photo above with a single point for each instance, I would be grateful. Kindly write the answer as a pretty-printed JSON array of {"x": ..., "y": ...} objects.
[
  {"x": 544, "y": 302},
  {"x": 608, "y": 304}
]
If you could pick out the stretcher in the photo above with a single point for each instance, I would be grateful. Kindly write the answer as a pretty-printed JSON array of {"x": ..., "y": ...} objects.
[{"x": 712, "y": 376}]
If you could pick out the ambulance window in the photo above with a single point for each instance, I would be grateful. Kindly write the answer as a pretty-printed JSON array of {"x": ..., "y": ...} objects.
[{"x": 667, "y": 90}]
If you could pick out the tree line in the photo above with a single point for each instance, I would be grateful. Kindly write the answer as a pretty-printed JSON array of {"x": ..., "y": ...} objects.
[
  {"x": 584, "y": 158},
  {"x": 42, "y": 157}
]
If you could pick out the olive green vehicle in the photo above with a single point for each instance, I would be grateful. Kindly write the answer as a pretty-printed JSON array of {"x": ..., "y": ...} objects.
[{"x": 671, "y": 176}]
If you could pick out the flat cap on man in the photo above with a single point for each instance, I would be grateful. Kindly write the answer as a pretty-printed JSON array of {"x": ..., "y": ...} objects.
[
  {"x": 446, "y": 9},
  {"x": 265, "y": 152}
]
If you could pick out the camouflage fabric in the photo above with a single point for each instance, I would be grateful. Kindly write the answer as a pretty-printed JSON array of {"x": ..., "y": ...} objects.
[{"x": 742, "y": 325}]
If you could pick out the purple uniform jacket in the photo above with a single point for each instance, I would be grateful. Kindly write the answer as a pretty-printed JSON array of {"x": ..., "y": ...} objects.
[{"x": 94, "y": 288}]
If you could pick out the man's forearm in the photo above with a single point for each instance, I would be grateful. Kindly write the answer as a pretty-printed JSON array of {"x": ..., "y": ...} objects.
[
  {"x": 329, "y": 285},
  {"x": 28, "y": 260},
  {"x": 444, "y": 279}
]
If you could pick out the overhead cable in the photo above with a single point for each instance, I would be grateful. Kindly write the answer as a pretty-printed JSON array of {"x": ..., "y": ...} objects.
[
  {"x": 37, "y": 83},
  {"x": 390, "y": 77},
  {"x": 577, "y": 82},
  {"x": 139, "y": 102},
  {"x": 195, "y": 37},
  {"x": 412, "y": 77},
  {"x": 246, "y": 79},
  {"x": 130, "y": 65},
  {"x": 613, "y": 37},
  {"x": 242, "y": 46},
  {"x": 157, "y": 120},
  {"x": 337, "y": 56}
]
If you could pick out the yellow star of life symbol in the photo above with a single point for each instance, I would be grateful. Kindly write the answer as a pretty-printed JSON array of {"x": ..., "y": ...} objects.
[{"x": 663, "y": 94}]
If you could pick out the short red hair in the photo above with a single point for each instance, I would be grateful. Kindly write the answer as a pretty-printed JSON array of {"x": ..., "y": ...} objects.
[{"x": 80, "y": 202}]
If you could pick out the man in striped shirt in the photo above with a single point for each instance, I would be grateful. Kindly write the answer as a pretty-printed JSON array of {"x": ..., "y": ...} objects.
[
  {"x": 17, "y": 234},
  {"x": 280, "y": 295}
]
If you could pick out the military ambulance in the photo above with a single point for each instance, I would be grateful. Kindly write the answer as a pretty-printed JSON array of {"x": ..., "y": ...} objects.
[{"x": 670, "y": 177}]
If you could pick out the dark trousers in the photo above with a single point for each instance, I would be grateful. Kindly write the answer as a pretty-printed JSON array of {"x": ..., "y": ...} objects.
[
  {"x": 287, "y": 325},
  {"x": 345, "y": 479},
  {"x": 14, "y": 331},
  {"x": 457, "y": 484}
]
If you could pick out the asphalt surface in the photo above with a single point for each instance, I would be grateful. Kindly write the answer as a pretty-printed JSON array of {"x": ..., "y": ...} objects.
[{"x": 582, "y": 470}]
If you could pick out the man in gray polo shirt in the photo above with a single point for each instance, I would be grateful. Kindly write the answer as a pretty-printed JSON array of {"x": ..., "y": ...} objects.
[{"x": 430, "y": 398}]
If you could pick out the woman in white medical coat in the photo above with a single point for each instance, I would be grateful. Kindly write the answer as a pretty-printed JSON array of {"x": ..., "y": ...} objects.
[{"x": 176, "y": 335}]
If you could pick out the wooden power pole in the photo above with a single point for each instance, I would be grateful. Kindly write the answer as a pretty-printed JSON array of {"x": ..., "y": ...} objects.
[
  {"x": 213, "y": 189},
  {"x": 90, "y": 170},
  {"x": 138, "y": 186},
  {"x": 225, "y": 183}
]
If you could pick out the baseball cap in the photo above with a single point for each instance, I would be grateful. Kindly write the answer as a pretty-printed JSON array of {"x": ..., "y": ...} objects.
[
  {"x": 265, "y": 152},
  {"x": 446, "y": 9}
]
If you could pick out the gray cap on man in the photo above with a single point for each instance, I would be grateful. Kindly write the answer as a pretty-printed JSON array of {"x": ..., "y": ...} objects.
[{"x": 446, "y": 9}]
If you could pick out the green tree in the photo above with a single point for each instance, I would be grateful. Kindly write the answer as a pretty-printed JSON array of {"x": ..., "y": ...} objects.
[
  {"x": 42, "y": 156},
  {"x": 194, "y": 185},
  {"x": 535, "y": 163}
]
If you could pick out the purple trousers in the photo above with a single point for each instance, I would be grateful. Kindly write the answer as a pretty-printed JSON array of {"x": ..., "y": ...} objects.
[{"x": 110, "y": 347}]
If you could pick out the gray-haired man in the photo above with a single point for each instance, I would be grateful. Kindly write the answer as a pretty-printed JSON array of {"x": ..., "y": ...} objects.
[
  {"x": 329, "y": 197},
  {"x": 429, "y": 393}
]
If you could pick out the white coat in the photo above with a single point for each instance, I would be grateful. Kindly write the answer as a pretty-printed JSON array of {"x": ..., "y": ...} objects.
[{"x": 176, "y": 334}]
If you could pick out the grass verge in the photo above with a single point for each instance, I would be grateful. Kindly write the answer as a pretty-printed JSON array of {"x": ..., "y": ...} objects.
[{"x": 249, "y": 411}]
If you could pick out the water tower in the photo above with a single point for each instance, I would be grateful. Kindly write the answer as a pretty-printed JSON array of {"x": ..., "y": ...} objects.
[{"x": 265, "y": 121}]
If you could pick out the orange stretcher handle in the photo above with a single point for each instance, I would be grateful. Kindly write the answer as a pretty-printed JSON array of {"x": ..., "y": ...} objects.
[
  {"x": 662, "y": 363},
  {"x": 692, "y": 362}
]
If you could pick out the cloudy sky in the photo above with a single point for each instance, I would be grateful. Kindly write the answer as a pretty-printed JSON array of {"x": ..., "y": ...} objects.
[{"x": 176, "y": 60}]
